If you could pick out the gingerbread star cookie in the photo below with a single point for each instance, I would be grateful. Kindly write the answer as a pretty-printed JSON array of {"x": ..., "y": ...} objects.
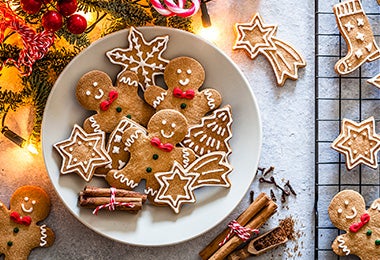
[
  {"x": 142, "y": 57},
  {"x": 358, "y": 142},
  {"x": 347, "y": 211},
  {"x": 82, "y": 153},
  {"x": 375, "y": 81},
  {"x": 256, "y": 38},
  {"x": 20, "y": 231}
]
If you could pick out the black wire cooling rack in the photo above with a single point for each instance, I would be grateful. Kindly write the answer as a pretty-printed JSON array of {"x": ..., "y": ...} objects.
[{"x": 338, "y": 97}]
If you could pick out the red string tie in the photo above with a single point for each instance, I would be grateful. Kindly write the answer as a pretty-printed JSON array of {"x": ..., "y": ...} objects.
[
  {"x": 243, "y": 233},
  {"x": 364, "y": 219},
  {"x": 111, "y": 205}
]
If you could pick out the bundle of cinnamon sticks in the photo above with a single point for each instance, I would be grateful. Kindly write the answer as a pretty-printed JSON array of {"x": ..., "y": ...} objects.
[
  {"x": 93, "y": 197},
  {"x": 258, "y": 212}
]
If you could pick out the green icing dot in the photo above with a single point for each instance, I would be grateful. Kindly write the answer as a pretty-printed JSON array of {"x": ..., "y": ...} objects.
[
  {"x": 129, "y": 116},
  {"x": 155, "y": 156},
  {"x": 183, "y": 105},
  {"x": 369, "y": 232},
  {"x": 377, "y": 242},
  {"x": 10, "y": 243},
  {"x": 149, "y": 169},
  {"x": 119, "y": 109},
  {"x": 16, "y": 230}
]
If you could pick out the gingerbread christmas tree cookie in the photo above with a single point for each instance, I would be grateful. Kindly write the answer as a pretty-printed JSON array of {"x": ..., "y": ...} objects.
[
  {"x": 82, "y": 153},
  {"x": 256, "y": 38},
  {"x": 357, "y": 32},
  {"x": 142, "y": 57},
  {"x": 347, "y": 211},
  {"x": 358, "y": 142}
]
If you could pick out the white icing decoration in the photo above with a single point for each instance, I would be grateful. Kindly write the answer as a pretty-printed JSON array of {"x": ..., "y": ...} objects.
[
  {"x": 349, "y": 26},
  {"x": 167, "y": 136},
  {"x": 346, "y": 202},
  {"x": 198, "y": 133},
  {"x": 360, "y": 36},
  {"x": 88, "y": 93},
  {"x": 210, "y": 100},
  {"x": 359, "y": 53},
  {"x": 119, "y": 176},
  {"x": 100, "y": 95},
  {"x": 174, "y": 125},
  {"x": 116, "y": 149},
  {"x": 179, "y": 71},
  {"x": 26, "y": 199},
  {"x": 94, "y": 125},
  {"x": 128, "y": 81},
  {"x": 342, "y": 245},
  {"x": 121, "y": 164},
  {"x": 130, "y": 140},
  {"x": 43, "y": 237},
  {"x": 23, "y": 207},
  {"x": 150, "y": 191},
  {"x": 340, "y": 211},
  {"x": 369, "y": 47},
  {"x": 159, "y": 99},
  {"x": 189, "y": 71},
  {"x": 164, "y": 122},
  {"x": 354, "y": 213},
  {"x": 117, "y": 138},
  {"x": 184, "y": 82},
  {"x": 95, "y": 84},
  {"x": 360, "y": 21},
  {"x": 375, "y": 205}
]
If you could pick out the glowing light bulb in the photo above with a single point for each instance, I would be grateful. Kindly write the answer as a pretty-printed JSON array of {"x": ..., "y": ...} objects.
[{"x": 209, "y": 33}]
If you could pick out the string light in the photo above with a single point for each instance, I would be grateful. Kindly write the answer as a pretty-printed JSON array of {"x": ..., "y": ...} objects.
[{"x": 206, "y": 20}]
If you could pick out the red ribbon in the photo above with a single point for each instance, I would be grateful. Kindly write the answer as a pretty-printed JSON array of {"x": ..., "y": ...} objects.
[
  {"x": 243, "y": 233},
  {"x": 111, "y": 205},
  {"x": 188, "y": 94},
  {"x": 23, "y": 220},
  {"x": 364, "y": 219},
  {"x": 112, "y": 96},
  {"x": 156, "y": 142}
]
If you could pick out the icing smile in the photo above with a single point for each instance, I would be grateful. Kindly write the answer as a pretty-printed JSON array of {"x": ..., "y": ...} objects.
[
  {"x": 100, "y": 95},
  {"x": 167, "y": 136},
  {"x": 184, "y": 82},
  {"x": 354, "y": 213},
  {"x": 25, "y": 209}
]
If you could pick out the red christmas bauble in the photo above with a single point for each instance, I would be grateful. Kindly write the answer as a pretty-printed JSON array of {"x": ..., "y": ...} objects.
[
  {"x": 76, "y": 24},
  {"x": 31, "y": 6},
  {"x": 67, "y": 7},
  {"x": 52, "y": 21}
]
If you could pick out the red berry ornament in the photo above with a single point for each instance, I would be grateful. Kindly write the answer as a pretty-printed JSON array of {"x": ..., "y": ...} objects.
[
  {"x": 76, "y": 24},
  {"x": 67, "y": 7},
  {"x": 52, "y": 21},
  {"x": 31, "y": 6}
]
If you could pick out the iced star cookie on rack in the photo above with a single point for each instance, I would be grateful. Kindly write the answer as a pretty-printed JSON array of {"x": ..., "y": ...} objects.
[
  {"x": 19, "y": 231},
  {"x": 83, "y": 153},
  {"x": 347, "y": 212},
  {"x": 153, "y": 152},
  {"x": 183, "y": 77},
  {"x": 95, "y": 92},
  {"x": 142, "y": 57},
  {"x": 358, "y": 142}
]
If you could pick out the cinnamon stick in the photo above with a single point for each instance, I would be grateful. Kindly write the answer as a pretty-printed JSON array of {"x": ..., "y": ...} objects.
[
  {"x": 254, "y": 208},
  {"x": 91, "y": 191},
  {"x": 255, "y": 223},
  {"x": 93, "y": 202}
]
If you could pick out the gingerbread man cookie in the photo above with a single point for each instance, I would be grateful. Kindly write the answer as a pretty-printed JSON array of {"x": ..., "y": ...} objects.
[
  {"x": 362, "y": 238},
  {"x": 153, "y": 152},
  {"x": 19, "y": 232},
  {"x": 96, "y": 92},
  {"x": 184, "y": 76}
]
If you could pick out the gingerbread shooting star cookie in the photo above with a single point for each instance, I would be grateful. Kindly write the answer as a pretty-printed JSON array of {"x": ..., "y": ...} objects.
[
  {"x": 375, "y": 81},
  {"x": 358, "y": 142},
  {"x": 82, "y": 153},
  {"x": 257, "y": 38},
  {"x": 142, "y": 57}
]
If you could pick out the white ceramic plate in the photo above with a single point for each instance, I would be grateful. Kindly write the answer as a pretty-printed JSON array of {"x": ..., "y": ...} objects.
[{"x": 156, "y": 226}]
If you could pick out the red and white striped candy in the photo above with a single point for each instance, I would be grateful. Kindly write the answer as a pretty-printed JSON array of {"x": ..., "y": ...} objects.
[{"x": 178, "y": 9}]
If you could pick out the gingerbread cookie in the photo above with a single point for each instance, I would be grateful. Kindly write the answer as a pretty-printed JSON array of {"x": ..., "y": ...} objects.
[
  {"x": 348, "y": 212},
  {"x": 183, "y": 77},
  {"x": 257, "y": 38},
  {"x": 142, "y": 57},
  {"x": 212, "y": 134},
  {"x": 95, "y": 92},
  {"x": 82, "y": 153},
  {"x": 153, "y": 152},
  {"x": 116, "y": 149},
  {"x": 375, "y": 81},
  {"x": 358, "y": 142},
  {"x": 356, "y": 30},
  {"x": 178, "y": 184},
  {"x": 19, "y": 232}
]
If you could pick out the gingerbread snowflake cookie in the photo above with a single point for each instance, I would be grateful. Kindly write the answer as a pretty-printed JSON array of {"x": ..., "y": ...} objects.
[
  {"x": 142, "y": 57},
  {"x": 348, "y": 212},
  {"x": 256, "y": 38},
  {"x": 357, "y": 32},
  {"x": 83, "y": 153},
  {"x": 153, "y": 152},
  {"x": 183, "y": 77},
  {"x": 19, "y": 231},
  {"x": 358, "y": 142},
  {"x": 95, "y": 91}
]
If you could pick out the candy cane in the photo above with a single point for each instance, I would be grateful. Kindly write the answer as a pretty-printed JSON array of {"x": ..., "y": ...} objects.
[{"x": 176, "y": 9}]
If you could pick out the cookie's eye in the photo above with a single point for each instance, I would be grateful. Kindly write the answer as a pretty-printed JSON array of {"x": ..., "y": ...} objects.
[
  {"x": 33, "y": 202},
  {"x": 164, "y": 122},
  {"x": 174, "y": 125},
  {"x": 26, "y": 199},
  {"x": 179, "y": 71},
  {"x": 340, "y": 211},
  {"x": 88, "y": 93},
  {"x": 189, "y": 71},
  {"x": 95, "y": 84},
  {"x": 346, "y": 202}
]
